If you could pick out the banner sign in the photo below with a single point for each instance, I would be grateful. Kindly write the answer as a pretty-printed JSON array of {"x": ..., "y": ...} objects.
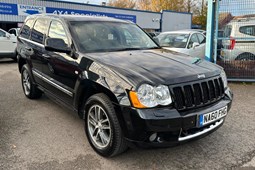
[
  {"x": 24, "y": 10},
  {"x": 62, "y": 11},
  {"x": 30, "y": 9},
  {"x": 8, "y": 9}
]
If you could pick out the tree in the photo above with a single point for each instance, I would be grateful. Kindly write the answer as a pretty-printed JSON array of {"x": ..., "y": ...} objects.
[{"x": 122, "y": 3}]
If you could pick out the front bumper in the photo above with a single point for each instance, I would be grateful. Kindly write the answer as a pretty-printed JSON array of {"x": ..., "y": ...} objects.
[{"x": 170, "y": 126}]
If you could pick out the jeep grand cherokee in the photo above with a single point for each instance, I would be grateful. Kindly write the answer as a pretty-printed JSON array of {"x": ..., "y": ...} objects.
[{"x": 129, "y": 91}]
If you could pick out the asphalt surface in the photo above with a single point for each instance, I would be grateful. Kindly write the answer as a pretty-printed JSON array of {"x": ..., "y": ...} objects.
[{"x": 40, "y": 134}]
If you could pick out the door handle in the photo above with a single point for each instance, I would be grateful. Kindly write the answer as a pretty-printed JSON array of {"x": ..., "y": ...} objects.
[{"x": 46, "y": 56}]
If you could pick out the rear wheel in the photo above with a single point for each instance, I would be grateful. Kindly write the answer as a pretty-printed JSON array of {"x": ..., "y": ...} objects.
[
  {"x": 246, "y": 57},
  {"x": 102, "y": 127},
  {"x": 29, "y": 87}
]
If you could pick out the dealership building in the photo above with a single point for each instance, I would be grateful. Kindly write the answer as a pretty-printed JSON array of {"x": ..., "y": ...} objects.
[{"x": 13, "y": 13}]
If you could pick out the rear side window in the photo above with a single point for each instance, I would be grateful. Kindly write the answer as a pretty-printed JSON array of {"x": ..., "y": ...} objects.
[
  {"x": 57, "y": 31},
  {"x": 39, "y": 30},
  {"x": 25, "y": 32},
  {"x": 201, "y": 38},
  {"x": 248, "y": 30}
]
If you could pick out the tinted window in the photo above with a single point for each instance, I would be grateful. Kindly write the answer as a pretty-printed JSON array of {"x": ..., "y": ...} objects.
[
  {"x": 57, "y": 31},
  {"x": 248, "y": 30},
  {"x": 39, "y": 31},
  {"x": 193, "y": 39},
  {"x": 25, "y": 32},
  {"x": 201, "y": 38},
  {"x": 2, "y": 34}
]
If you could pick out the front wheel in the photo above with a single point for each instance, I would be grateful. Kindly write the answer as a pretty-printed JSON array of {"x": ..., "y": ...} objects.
[
  {"x": 102, "y": 127},
  {"x": 29, "y": 88}
]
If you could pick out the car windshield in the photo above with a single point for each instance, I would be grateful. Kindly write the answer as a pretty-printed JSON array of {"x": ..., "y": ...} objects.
[
  {"x": 103, "y": 36},
  {"x": 173, "y": 40}
]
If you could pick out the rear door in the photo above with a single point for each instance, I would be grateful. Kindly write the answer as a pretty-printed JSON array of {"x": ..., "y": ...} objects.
[
  {"x": 60, "y": 68},
  {"x": 38, "y": 34}
]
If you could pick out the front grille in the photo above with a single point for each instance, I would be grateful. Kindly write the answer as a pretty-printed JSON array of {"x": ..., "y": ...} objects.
[{"x": 197, "y": 94}]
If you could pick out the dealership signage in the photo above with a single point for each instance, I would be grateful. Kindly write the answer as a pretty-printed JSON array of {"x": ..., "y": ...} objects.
[
  {"x": 8, "y": 9},
  {"x": 24, "y": 10},
  {"x": 62, "y": 11},
  {"x": 30, "y": 9}
]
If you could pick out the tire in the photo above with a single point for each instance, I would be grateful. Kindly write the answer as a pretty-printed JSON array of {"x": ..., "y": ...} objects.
[
  {"x": 29, "y": 88},
  {"x": 246, "y": 57},
  {"x": 103, "y": 132}
]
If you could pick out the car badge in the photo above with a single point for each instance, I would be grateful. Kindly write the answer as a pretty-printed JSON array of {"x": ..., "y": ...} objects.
[{"x": 201, "y": 76}]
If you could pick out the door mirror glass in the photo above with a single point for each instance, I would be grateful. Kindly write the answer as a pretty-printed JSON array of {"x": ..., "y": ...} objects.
[
  {"x": 57, "y": 45},
  {"x": 195, "y": 44}
]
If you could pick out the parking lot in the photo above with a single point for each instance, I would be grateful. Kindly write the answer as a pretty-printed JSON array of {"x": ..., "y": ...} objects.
[{"x": 40, "y": 134}]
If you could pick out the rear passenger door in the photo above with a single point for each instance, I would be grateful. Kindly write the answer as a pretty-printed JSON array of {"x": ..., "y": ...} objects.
[
  {"x": 37, "y": 38},
  {"x": 60, "y": 68}
]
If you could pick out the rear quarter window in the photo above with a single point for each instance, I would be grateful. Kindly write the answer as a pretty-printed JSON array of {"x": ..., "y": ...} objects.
[
  {"x": 26, "y": 29},
  {"x": 248, "y": 30}
]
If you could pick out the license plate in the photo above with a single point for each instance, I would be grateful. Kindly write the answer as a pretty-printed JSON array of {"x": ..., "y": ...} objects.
[{"x": 207, "y": 118}]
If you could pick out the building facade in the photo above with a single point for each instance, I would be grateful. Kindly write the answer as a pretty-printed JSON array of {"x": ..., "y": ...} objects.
[{"x": 13, "y": 13}]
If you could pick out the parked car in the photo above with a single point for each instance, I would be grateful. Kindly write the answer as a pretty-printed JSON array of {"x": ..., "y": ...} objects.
[
  {"x": 14, "y": 31},
  {"x": 241, "y": 42},
  {"x": 129, "y": 91},
  {"x": 197, "y": 30},
  {"x": 153, "y": 34},
  {"x": 188, "y": 42},
  {"x": 8, "y": 44}
]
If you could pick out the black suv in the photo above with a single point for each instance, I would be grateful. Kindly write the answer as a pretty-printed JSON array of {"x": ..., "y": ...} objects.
[{"x": 129, "y": 91}]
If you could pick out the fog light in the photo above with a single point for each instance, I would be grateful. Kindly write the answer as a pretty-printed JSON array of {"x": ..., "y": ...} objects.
[{"x": 153, "y": 137}]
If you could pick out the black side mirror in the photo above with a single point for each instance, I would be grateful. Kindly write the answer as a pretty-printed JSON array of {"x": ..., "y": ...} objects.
[{"x": 57, "y": 45}]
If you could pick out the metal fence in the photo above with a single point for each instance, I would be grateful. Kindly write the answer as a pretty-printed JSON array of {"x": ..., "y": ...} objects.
[{"x": 234, "y": 42}]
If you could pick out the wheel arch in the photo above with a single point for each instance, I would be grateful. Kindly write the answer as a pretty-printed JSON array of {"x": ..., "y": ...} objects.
[
  {"x": 245, "y": 54},
  {"x": 86, "y": 89}
]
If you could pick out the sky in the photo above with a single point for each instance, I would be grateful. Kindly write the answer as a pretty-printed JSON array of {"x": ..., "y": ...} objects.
[{"x": 97, "y": 2}]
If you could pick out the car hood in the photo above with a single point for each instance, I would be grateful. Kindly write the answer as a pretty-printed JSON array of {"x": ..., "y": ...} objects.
[{"x": 155, "y": 66}]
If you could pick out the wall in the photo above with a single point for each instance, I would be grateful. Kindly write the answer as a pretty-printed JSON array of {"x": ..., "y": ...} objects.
[{"x": 173, "y": 21}]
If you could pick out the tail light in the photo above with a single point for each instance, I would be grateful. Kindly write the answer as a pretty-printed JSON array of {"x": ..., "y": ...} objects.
[{"x": 232, "y": 43}]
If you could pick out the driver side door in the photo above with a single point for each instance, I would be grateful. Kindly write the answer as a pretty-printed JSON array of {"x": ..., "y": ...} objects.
[{"x": 194, "y": 51}]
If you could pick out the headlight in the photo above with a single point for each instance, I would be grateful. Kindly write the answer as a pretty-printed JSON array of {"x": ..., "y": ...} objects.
[
  {"x": 149, "y": 96},
  {"x": 224, "y": 78}
]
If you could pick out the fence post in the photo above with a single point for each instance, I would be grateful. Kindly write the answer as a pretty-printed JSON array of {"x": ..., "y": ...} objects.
[{"x": 210, "y": 30}]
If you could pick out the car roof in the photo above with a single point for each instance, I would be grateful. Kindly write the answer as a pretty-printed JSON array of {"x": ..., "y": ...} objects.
[
  {"x": 79, "y": 18},
  {"x": 190, "y": 31}
]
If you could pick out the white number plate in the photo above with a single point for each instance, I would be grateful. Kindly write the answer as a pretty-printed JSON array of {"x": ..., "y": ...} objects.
[{"x": 207, "y": 118}]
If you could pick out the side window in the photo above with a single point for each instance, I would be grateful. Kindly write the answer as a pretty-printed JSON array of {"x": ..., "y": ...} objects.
[
  {"x": 26, "y": 29},
  {"x": 2, "y": 34},
  {"x": 11, "y": 32},
  {"x": 57, "y": 31},
  {"x": 248, "y": 30},
  {"x": 193, "y": 39},
  {"x": 201, "y": 38},
  {"x": 39, "y": 30}
]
